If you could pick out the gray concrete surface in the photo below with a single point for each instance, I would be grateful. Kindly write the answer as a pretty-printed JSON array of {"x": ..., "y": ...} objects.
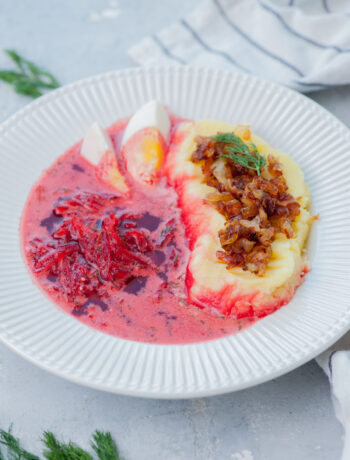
[{"x": 290, "y": 418}]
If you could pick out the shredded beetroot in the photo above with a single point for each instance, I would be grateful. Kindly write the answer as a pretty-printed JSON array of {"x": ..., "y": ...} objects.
[
  {"x": 91, "y": 247},
  {"x": 85, "y": 202},
  {"x": 167, "y": 234}
]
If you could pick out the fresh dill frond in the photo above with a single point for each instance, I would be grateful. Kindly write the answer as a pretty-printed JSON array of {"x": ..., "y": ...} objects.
[
  {"x": 102, "y": 443},
  {"x": 29, "y": 79},
  {"x": 232, "y": 139},
  {"x": 14, "y": 449},
  {"x": 236, "y": 150},
  {"x": 104, "y": 446},
  {"x": 56, "y": 450},
  {"x": 44, "y": 78}
]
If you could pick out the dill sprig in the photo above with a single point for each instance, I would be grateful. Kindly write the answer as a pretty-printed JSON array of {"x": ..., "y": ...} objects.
[
  {"x": 29, "y": 79},
  {"x": 56, "y": 450},
  {"x": 236, "y": 150},
  {"x": 102, "y": 444},
  {"x": 14, "y": 449}
]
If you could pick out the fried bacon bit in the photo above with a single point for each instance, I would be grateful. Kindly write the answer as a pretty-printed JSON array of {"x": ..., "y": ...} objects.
[
  {"x": 255, "y": 207},
  {"x": 244, "y": 132}
]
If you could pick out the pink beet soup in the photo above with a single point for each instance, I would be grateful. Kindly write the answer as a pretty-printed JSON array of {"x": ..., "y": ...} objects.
[{"x": 116, "y": 264}]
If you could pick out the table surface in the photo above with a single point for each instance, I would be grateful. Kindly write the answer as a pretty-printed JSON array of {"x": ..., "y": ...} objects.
[{"x": 291, "y": 417}]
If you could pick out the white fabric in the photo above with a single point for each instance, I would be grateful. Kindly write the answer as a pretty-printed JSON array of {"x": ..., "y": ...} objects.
[
  {"x": 304, "y": 44},
  {"x": 336, "y": 364}
]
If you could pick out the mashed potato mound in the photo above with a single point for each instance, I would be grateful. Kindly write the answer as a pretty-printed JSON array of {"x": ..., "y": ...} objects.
[{"x": 209, "y": 282}]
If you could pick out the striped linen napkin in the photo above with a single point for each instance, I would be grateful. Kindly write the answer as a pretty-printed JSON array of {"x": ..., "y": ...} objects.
[
  {"x": 304, "y": 44},
  {"x": 336, "y": 364}
]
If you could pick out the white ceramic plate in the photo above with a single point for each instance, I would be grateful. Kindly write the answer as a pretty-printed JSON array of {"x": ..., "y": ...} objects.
[{"x": 320, "y": 311}]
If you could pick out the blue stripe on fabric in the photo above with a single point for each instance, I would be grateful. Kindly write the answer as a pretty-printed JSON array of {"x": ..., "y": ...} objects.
[
  {"x": 325, "y": 6},
  {"x": 298, "y": 34},
  {"x": 209, "y": 48},
  {"x": 253, "y": 42},
  {"x": 320, "y": 85},
  {"x": 330, "y": 362},
  {"x": 166, "y": 50}
]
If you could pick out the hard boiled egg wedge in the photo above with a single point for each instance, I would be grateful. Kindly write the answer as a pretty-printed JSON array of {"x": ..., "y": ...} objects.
[
  {"x": 144, "y": 142},
  {"x": 98, "y": 150}
]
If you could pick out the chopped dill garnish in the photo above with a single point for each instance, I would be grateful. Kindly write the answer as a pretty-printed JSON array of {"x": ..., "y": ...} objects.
[
  {"x": 167, "y": 229},
  {"x": 236, "y": 150}
]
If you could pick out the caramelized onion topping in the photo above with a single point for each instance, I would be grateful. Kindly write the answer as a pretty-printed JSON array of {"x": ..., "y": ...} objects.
[{"x": 255, "y": 207}]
